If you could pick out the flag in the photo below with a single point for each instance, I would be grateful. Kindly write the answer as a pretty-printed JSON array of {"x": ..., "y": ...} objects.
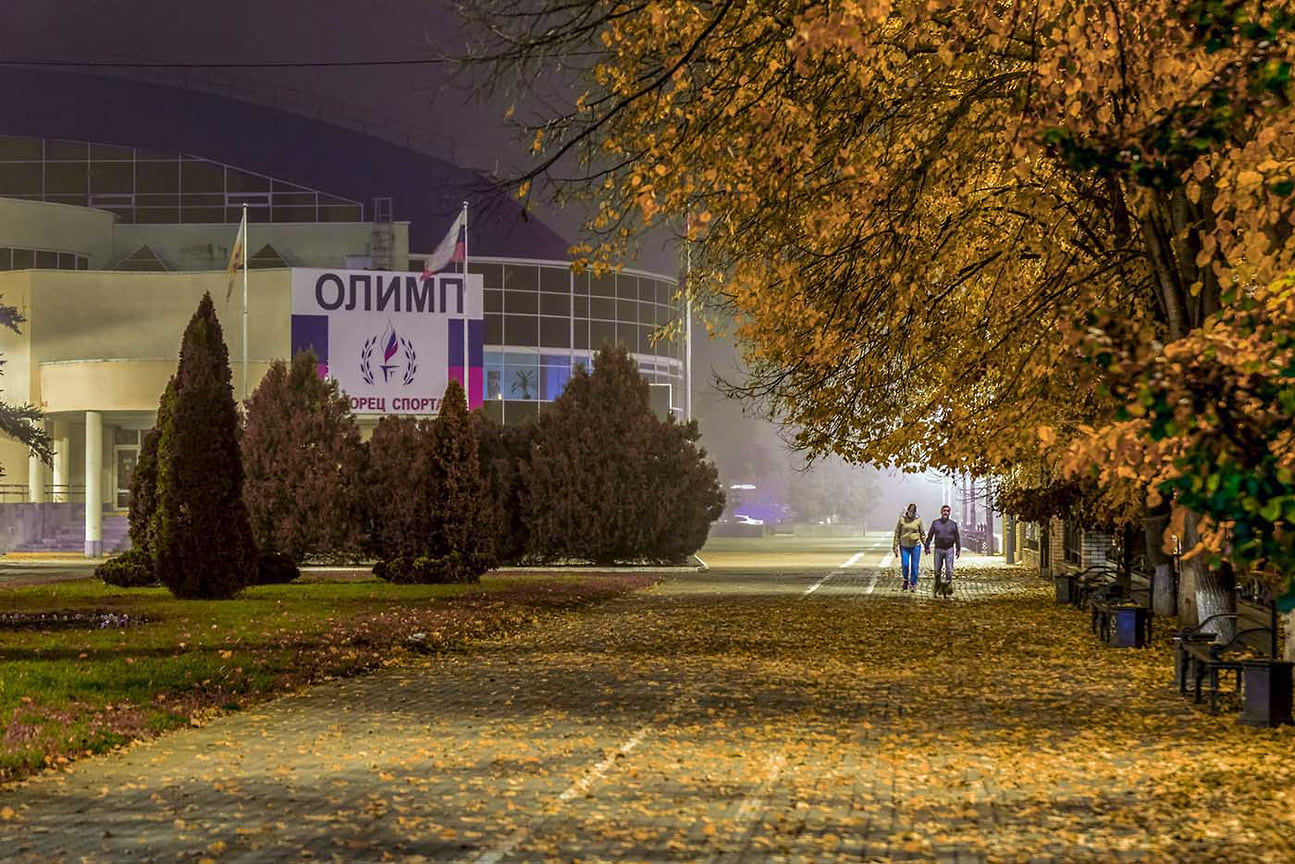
[
  {"x": 237, "y": 255},
  {"x": 452, "y": 250}
]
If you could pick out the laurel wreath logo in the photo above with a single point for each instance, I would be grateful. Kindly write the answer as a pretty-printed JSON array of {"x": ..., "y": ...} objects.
[
  {"x": 366, "y": 354},
  {"x": 411, "y": 361}
]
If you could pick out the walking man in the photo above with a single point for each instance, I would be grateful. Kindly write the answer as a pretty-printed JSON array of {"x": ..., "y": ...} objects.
[{"x": 948, "y": 546}]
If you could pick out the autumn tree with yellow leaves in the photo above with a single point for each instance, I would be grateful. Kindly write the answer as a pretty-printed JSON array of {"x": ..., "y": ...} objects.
[{"x": 920, "y": 215}]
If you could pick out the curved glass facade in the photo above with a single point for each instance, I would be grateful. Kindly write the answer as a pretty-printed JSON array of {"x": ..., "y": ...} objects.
[
  {"x": 145, "y": 187},
  {"x": 542, "y": 321}
]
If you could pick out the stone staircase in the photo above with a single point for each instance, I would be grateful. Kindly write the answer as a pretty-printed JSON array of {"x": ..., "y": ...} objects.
[{"x": 71, "y": 538}]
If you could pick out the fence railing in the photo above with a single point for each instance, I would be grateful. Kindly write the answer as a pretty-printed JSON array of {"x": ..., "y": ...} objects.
[{"x": 19, "y": 493}]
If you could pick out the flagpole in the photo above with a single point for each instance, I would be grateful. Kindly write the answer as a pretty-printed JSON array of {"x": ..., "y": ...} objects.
[
  {"x": 245, "y": 304},
  {"x": 467, "y": 372},
  {"x": 687, "y": 327}
]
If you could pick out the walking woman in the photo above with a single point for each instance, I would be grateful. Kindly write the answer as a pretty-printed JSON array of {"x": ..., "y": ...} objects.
[{"x": 909, "y": 534}]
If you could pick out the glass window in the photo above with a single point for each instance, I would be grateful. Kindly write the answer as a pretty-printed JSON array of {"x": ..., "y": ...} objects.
[
  {"x": 581, "y": 328},
  {"x": 601, "y": 333},
  {"x": 555, "y": 279},
  {"x": 602, "y": 308},
  {"x": 19, "y": 149},
  {"x": 555, "y": 332},
  {"x": 555, "y": 371},
  {"x": 494, "y": 301},
  {"x": 66, "y": 261},
  {"x": 241, "y": 182},
  {"x": 494, "y": 377},
  {"x": 82, "y": 262},
  {"x": 293, "y": 214},
  {"x": 46, "y": 260},
  {"x": 648, "y": 313},
  {"x": 580, "y": 307},
  {"x": 494, "y": 329},
  {"x": 6, "y": 258},
  {"x": 337, "y": 213},
  {"x": 491, "y": 277},
  {"x": 125, "y": 436},
  {"x": 157, "y": 178},
  {"x": 23, "y": 259},
  {"x": 580, "y": 282},
  {"x": 603, "y": 286},
  {"x": 201, "y": 176},
  {"x": 627, "y": 310},
  {"x": 110, "y": 151},
  {"x": 65, "y": 178},
  {"x": 628, "y": 335},
  {"x": 111, "y": 178},
  {"x": 555, "y": 304},
  {"x": 627, "y": 287},
  {"x": 517, "y": 278},
  {"x": 18, "y": 179},
  {"x": 521, "y": 302},
  {"x": 61, "y": 150},
  {"x": 521, "y": 377},
  {"x": 521, "y": 330},
  {"x": 647, "y": 289}
]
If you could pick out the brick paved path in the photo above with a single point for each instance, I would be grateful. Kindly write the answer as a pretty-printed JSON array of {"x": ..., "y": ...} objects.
[{"x": 722, "y": 717}]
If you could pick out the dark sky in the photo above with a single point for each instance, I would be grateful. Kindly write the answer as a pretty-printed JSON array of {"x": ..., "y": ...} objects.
[{"x": 430, "y": 100}]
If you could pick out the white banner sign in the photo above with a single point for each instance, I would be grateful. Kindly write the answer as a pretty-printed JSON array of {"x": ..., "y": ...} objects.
[{"x": 392, "y": 341}]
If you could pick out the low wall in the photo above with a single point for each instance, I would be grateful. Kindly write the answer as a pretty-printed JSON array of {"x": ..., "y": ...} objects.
[
  {"x": 835, "y": 530},
  {"x": 26, "y": 523}
]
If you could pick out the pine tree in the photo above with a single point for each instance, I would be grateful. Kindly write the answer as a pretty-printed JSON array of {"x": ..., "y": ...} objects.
[
  {"x": 399, "y": 488},
  {"x": 608, "y": 481},
  {"x": 501, "y": 451},
  {"x": 203, "y": 540},
  {"x": 304, "y": 462},
  {"x": 465, "y": 517}
]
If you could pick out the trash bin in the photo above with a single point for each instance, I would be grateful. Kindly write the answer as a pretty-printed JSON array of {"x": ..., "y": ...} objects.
[{"x": 1267, "y": 685}]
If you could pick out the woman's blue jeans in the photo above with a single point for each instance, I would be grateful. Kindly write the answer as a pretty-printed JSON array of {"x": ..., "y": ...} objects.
[{"x": 909, "y": 557}]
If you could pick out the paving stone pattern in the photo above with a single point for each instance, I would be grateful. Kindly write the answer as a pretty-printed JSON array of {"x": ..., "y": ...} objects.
[{"x": 719, "y": 717}]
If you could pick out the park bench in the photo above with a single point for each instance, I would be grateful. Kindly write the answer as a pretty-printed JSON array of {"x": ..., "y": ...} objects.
[
  {"x": 1120, "y": 615},
  {"x": 1210, "y": 660}
]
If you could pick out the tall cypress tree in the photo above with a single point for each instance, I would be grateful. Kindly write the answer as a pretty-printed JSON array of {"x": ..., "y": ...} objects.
[
  {"x": 203, "y": 544},
  {"x": 465, "y": 518}
]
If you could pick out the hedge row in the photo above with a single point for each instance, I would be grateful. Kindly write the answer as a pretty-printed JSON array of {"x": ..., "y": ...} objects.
[{"x": 216, "y": 506}]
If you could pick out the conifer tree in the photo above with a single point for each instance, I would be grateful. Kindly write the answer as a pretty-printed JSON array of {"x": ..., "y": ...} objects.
[
  {"x": 399, "y": 488},
  {"x": 303, "y": 462},
  {"x": 465, "y": 518},
  {"x": 203, "y": 540},
  {"x": 608, "y": 481}
]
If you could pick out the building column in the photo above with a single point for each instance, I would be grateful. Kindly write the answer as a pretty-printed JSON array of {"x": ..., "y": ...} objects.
[
  {"x": 62, "y": 462},
  {"x": 35, "y": 480},
  {"x": 93, "y": 484}
]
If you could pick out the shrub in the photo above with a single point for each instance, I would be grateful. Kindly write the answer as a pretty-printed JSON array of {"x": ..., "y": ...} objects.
[
  {"x": 399, "y": 488},
  {"x": 303, "y": 462},
  {"x": 275, "y": 568},
  {"x": 608, "y": 481},
  {"x": 143, "y": 488},
  {"x": 203, "y": 544},
  {"x": 131, "y": 569}
]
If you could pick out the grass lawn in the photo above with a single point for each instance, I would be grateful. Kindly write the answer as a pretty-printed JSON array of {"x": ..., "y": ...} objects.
[{"x": 70, "y": 692}]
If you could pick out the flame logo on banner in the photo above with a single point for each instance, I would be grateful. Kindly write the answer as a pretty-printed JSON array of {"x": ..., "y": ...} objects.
[{"x": 392, "y": 344}]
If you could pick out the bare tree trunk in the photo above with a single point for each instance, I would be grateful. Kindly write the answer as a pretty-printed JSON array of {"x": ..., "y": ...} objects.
[
  {"x": 1210, "y": 594},
  {"x": 1163, "y": 601},
  {"x": 1288, "y": 629}
]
